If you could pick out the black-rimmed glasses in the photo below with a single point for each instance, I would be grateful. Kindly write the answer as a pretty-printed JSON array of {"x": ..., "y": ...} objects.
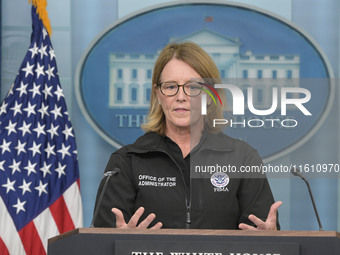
[{"x": 172, "y": 88}]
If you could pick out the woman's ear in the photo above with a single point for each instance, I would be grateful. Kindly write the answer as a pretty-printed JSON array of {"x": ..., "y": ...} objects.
[{"x": 157, "y": 94}]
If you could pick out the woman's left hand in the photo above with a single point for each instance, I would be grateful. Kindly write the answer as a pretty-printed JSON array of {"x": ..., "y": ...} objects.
[{"x": 269, "y": 224}]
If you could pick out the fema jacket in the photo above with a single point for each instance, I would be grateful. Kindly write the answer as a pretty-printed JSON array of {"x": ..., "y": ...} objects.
[{"x": 220, "y": 194}]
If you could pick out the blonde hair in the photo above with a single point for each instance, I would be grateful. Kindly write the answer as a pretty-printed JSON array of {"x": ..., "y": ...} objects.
[{"x": 202, "y": 63}]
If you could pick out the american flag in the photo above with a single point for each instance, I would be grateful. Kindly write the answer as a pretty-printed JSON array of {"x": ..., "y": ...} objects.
[{"x": 39, "y": 176}]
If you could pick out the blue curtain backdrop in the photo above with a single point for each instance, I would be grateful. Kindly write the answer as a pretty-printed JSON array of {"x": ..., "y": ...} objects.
[{"x": 76, "y": 24}]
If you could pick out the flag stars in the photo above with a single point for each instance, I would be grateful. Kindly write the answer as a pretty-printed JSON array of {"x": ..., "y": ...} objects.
[
  {"x": 20, "y": 206},
  {"x": 41, "y": 188},
  {"x": 46, "y": 169},
  {"x": 40, "y": 70},
  {"x": 53, "y": 130},
  {"x": 60, "y": 170},
  {"x": 44, "y": 33},
  {"x": 4, "y": 106},
  {"x": 30, "y": 109},
  {"x": 28, "y": 69},
  {"x": 2, "y": 165},
  {"x": 42, "y": 51},
  {"x": 9, "y": 185},
  {"x": 25, "y": 187},
  {"x": 5, "y": 146},
  {"x": 11, "y": 127},
  {"x": 56, "y": 112},
  {"x": 40, "y": 129},
  {"x": 47, "y": 91},
  {"x": 10, "y": 92},
  {"x": 30, "y": 168},
  {"x": 22, "y": 89},
  {"x": 16, "y": 108},
  {"x": 68, "y": 132},
  {"x": 59, "y": 92},
  {"x": 51, "y": 52},
  {"x": 15, "y": 166},
  {"x": 64, "y": 151},
  {"x": 66, "y": 113},
  {"x": 20, "y": 147},
  {"x": 35, "y": 90},
  {"x": 49, "y": 150},
  {"x": 43, "y": 110},
  {"x": 25, "y": 128},
  {"x": 49, "y": 72},
  {"x": 35, "y": 148},
  {"x": 34, "y": 50}
]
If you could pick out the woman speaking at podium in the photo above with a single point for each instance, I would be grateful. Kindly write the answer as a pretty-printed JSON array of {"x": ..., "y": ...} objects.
[{"x": 177, "y": 175}]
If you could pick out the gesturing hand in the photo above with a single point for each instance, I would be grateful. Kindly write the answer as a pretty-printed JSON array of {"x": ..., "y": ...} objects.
[
  {"x": 120, "y": 222},
  {"x": 269, "y": 224}
]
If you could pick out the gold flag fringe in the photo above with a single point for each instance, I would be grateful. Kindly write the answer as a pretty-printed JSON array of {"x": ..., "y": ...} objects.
[{"x": 41, "y": 10}]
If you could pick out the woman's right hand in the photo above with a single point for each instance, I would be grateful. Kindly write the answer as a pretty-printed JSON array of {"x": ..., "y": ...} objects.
[{"x": 120, "y": 222}]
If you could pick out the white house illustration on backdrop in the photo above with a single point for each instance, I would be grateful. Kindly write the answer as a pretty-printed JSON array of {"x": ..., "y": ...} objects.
[{"x": 131, "y": 74}]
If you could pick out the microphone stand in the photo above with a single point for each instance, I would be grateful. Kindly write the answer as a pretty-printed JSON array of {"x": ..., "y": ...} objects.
[
  {"x": 296, "y": 172},
  {"x": 107, "y": 175}
]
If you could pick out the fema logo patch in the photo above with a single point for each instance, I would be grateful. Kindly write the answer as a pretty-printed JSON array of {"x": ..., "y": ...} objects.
[{"x": 220, "y": 180}]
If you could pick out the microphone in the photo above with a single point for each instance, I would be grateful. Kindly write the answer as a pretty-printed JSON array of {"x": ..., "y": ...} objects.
[
  {"x": 107, "y": 175},
  {"x": 296, "y": 172}
]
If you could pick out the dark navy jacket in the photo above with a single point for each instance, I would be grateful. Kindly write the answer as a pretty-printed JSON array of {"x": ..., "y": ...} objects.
[{"x": 153, "y": 178}]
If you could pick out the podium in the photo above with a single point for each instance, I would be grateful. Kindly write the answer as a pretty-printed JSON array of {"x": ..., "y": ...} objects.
[{"x": 193, "y": 242}]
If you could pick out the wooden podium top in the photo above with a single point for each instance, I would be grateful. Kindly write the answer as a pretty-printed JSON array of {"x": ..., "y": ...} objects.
[
  {"x": 112, "y": 241},
  {"x": 200, "y": 232}
]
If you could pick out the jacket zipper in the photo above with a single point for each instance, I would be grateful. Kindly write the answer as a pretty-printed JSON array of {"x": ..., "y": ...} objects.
[
  {"x": 193, "y": 160},
  {"x": 187, "y": 201}
]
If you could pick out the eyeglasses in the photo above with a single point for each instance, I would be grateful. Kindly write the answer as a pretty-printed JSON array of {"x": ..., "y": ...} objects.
[{"x": 190, "y": 88}]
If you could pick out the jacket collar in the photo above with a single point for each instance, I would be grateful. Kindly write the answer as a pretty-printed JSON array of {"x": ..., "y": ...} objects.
[{"x": 154, "y": 142}]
